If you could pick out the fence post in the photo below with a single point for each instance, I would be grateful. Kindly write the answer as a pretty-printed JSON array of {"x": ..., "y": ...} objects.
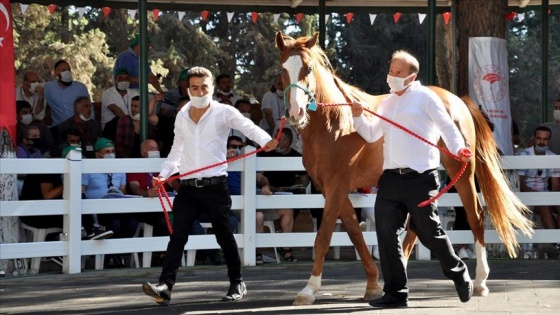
[
  {"x": 248, "y": 221},
  {"x": 73, "y": 217}
]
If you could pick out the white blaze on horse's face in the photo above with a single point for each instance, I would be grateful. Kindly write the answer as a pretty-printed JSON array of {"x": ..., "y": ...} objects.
[{"x": 297, "y": 103}]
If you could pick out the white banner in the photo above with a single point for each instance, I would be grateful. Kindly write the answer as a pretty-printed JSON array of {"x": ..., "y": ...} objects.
[{"x": 489, "y": 85}]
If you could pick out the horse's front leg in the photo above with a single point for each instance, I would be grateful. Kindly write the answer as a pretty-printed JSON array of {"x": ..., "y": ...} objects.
[
  {"x": 350, "y": 221},
  {"x": 409, "y": 241},
  {"x": 322, "y": 243}
]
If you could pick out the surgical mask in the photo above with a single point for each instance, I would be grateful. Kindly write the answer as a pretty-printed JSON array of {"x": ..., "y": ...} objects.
[
  {"x": 66, "y": 76},
  {"x": 397, "y": 84},
  {"x": 557, "y": 114},
  {"x": 200, "y": 101},
  {"x": 246, "y": 115},
  {"x": 35, "y": 142},
  {"x": 123, "y": 85},
  {"x": 153, "y": 154},
  {"x": 75, "y": 145},
  {"x": 218, "y": 91},
  {"x": 135, "y": 116},
  {"x": 280, "y": 93},
  {"x": 33, "y": 87},
  {"x": 541, "y": 149},
  {"x": 84, "y": 118},
  {"x": 109, "y": 156},
  {"x": 26, "y": 119}
]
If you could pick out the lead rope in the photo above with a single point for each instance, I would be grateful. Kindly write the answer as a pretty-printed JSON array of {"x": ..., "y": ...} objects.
[{"x": 162, "y": 194}]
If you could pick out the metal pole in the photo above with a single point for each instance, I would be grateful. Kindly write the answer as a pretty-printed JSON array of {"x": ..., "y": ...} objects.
[
  {"x": 431, "y": 42},
  {"x": 143, "y": 84},
  {"x": 322, "y": 23},
  {"x": 544, "y": 58}
]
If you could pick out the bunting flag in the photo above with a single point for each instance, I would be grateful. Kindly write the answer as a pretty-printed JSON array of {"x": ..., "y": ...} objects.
[
  {"x": 349, "y": 17},
  {"x": 254, "y": 17},
  {"x": 397, "y": 16},
  {"x": 106, "y": 11},
  {"x": 372, "y": 18},
  {"x": 421, "y": 17},
  {"x": 156, "y": 13},
  {"x": 510, "y": 16},
  {"x": 446, "y": 17},
  {"x": 181, "y": 15},
  {"x": 132, "y": 13},
  {"x": 23, "y": 8},
  {"x": 81, "y": 12},
  {"x": 7, "y": 79},
  {"x": 276, "y": 17},
  {"x": 205, "y": 15},
  {"x": 230, "y": 16},
  {"x": 51, "y": 8},
  {"x": 327, "y": 18},
  {"x": 299, "y": 17},
  {"x": 520, "y": 17}
]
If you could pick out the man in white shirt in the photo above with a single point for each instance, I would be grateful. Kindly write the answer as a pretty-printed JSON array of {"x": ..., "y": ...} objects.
[
  {"x": 201, "y": 132},
  {"x": 116, "y": 100},
  {"x": 410, "y": 176},
  {"x": 224, "y": 91},
  {"x": 31, "y": 90}
]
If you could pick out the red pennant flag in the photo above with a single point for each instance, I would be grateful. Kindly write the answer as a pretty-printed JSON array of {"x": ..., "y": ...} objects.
[
  {"x": 52, "y": 7},
  {"x": 397, "y": 16},
  {"x": 106, "y": 11},
  {"x": 205, "y": 15},
  {"x": 156, "y": 13},
  {"x": 446, "y": 17},
  {"x": 254, "y": 17},
  {"x": 299, "y": 17},
  {"x": 510, "y": 16},
  {"x": 7, "y": 79},
  {"x": 349, "y": 17}
]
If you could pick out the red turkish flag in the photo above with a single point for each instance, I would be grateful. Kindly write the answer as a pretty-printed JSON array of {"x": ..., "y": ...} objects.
[{"x": 7, "y": 79}]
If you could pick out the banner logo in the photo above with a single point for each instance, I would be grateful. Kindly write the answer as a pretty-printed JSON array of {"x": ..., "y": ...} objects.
[{"x": 490, "y": 83}]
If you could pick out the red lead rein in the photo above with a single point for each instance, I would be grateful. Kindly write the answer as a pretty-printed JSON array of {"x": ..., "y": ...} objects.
[
  {"x": 444, "y": 150},
  {"x": 163, "y": 194}
]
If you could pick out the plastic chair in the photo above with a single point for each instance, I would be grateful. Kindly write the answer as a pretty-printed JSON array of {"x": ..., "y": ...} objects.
[
  {"x": 270, "y": 226},
  {"x": 37, "y": 235}
]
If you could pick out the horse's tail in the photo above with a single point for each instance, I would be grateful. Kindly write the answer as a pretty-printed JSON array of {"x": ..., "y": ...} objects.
[{"x": 506, "y": 211}]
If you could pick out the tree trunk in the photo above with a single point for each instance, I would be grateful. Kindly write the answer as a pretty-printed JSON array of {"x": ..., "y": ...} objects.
[
  {"x": 476, "y": 18},
  {"x": 9, "y": 226}
]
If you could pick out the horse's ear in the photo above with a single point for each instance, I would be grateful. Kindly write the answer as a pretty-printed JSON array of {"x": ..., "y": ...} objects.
[
  {"x": 280, "y": 41},
  {"x": 313, "y": 41}
]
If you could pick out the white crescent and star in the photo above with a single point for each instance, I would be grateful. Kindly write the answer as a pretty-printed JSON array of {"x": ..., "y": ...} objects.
[{"x": 5, "y": 12}]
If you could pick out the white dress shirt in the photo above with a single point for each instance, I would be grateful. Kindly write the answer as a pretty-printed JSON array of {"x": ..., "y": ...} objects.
[
  {"x": 32, "y": 100},
  {"x": 199, "y": 145},
  {"x": 112, "y": 96},
  {"x": 421, "y": 111}
]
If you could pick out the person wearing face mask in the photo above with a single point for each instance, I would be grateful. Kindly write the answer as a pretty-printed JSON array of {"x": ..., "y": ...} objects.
[
  {"x": 24, "y": 116},
  {"x": 554, "y": 126},
  {"x": 224, "y": 92},
  {"x": 273, "y": 106},
  {"x": 61, "y": 93},
  {"x": 531, "y": 180},
  {"x": 31, "y": 143},
  {"x": 127, "y": 137},
  {"x": 115, "y": 101},
  {"x": 168, "y": 107},
  {"x": 201, "y": 131},
  {"x": 31, "y": 90},
  {"x": 410, "y": 176},
  {"x": 244, "y": 107},
  {"x": 89, "y": 129}
]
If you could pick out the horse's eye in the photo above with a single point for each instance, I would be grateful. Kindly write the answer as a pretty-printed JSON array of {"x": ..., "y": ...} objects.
[{"x": 310, "y": 69}]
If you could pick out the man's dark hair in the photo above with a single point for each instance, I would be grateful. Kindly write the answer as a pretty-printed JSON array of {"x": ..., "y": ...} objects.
[
  {"x": 221, "y": 76},
  {"x": 79, "y": 99},
  {"x": 236, "y": 138},
  {"x": 241, "y": 101},
  {"x": 135, "y": 98},
  {"x": 288, "y": 134},
  {"x": 21, "y": 105},
  {"x": 59, "y": 62},
  {"x": 27, "y": 129},
  {"x": 71, "y": 132},
  {"x": 543, "y": 128}
]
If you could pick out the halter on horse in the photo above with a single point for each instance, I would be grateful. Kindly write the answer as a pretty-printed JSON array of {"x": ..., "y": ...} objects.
[{"x": 339, "y": 160}]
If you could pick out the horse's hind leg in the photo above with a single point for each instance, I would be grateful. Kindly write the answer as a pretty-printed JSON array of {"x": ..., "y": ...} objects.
[
  {"x": 350, "y": 221},
  {"x": 409, "y": 241}
]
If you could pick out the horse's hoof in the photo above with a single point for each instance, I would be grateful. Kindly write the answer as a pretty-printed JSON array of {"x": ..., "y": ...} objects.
[
  {"x": 372, "y": 294},
  {"x": 481, "y": 291},
  {"x": 304, "y": 299}
]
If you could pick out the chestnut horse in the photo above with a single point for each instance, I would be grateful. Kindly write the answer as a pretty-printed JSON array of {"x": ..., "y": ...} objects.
[{"x": 339, "y": 160}]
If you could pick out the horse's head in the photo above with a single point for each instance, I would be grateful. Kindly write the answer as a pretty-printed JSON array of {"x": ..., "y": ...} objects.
[{"x": 298, "y": 61}]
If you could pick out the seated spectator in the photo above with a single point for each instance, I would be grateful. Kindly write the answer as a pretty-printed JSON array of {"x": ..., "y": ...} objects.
[
  {"x": 286, "y": 182},
  {"x": 127, "y": 137},
  {"x": 24, "y": 116},
  {"x": 97, "y": 186},
  {"x": 532, "y": 180},
  {"x": 31, "y": 143},
  {"x": 244, "y": 107},
  {"x": 168, "y": 107},
  {"x": 72, "y": 137},
  {"x": 115, "y": 101},
  {"x": 554, "y": 126},
  {"x": 31, "y": 90},
  {"x": 89, "y": 128},
  {"x": 224, "y": 90},
  {"x": 61, "y": 93}
]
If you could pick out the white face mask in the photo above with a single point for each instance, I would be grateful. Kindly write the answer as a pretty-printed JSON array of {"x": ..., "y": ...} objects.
[
  {"x": 153, "y": 154},
  {"x": 123, "y": 85},
  {"x": 66, "y": 76},
  {"x": 396, "y": 84},
  {"x": 26, "y": 119},
  {"x": 82, "y": 117},
  {"x": 556, "y": 114},
  {"x": 135, "y": 116},
  {"x": 246, "y": 115},
  {"x": 280, "y": 93},
  {"x": 200, "y": 101},
  {"x": 33, "y": 87},
  {"x": 75, "y": 145},
  {"x": 109, "y": 156}
]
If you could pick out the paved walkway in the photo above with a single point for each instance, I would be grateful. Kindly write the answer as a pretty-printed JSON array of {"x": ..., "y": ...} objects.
[{"x": 516, "y": 287}]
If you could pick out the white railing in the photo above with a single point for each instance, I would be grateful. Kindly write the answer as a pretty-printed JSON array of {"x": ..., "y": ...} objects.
[{"x": 72, "y": 206}]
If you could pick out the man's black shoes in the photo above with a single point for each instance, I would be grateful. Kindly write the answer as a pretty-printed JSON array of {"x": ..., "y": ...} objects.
[
  {"x": 236, "y": 292},
  {"x": 464, "y": 290},
  {"x": 160, "y": 292},
  {"x": 389, "y": 301}
]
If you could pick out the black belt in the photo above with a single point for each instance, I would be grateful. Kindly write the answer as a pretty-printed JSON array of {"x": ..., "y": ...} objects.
[
  {"x": 205, "y": 181},
  {"x": 401, "y": 171}
]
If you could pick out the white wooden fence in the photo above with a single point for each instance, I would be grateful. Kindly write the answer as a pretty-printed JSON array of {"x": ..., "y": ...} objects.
[{"x": 71, "y": 247}]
